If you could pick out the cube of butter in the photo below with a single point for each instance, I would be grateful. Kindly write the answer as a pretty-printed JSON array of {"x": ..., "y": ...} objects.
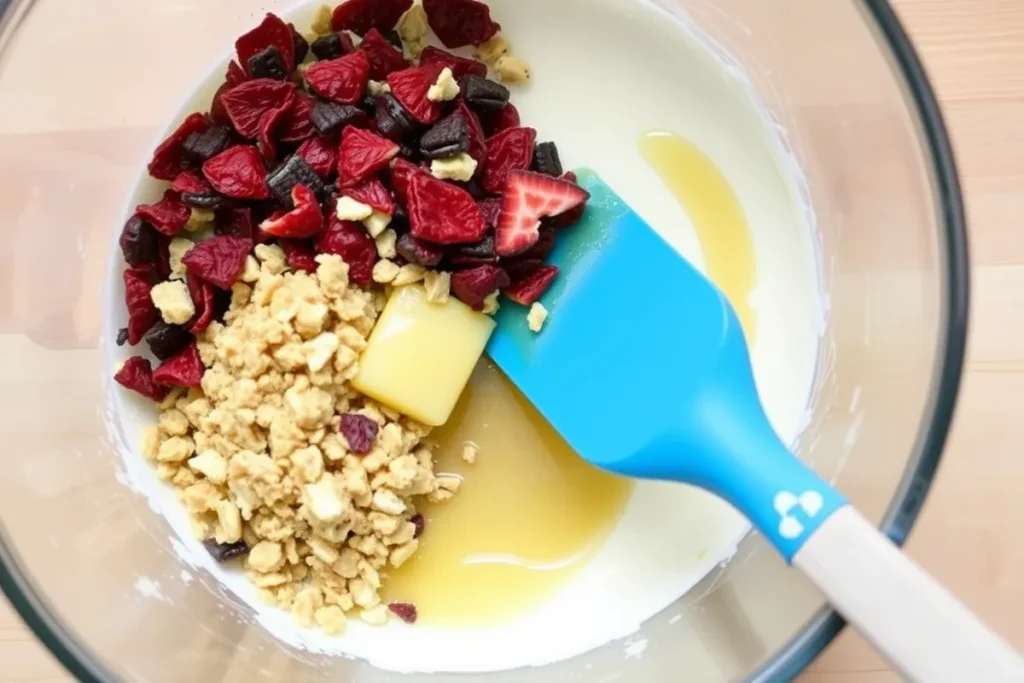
[{"x": 420, "y": 354}]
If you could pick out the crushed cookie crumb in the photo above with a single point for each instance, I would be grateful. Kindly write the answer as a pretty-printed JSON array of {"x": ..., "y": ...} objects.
[
  {"x": 491, "y": 51},
  {"x": 537, "y": 316},
  {"x": 512, "y": 69}
]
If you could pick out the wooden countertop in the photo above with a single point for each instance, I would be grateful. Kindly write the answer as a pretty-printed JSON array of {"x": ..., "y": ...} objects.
[{"x": 969, "y": 533}]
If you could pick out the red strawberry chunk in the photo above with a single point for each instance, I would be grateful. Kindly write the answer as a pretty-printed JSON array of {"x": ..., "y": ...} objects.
[
  {"x": 305, "y": 220},
  {"x": 476, "y": 284},
  {"x": 234, "y": 222},
  {"x": 495, "y": 122},
  {"x": 530, "y": 286},
  {"x": 443, "y": 213},
  {"x": 191, "y": 182},
  {"x": 247, "y": 104},
  {"x": 528, "y": 198},
  {"x": 142, "y": 313},
  {"x": 362, "y": 154},
  {"x": 509, "y": 150},
  {"x": 168, "y": 215},
  {"x": 321, "y": 155},
  {"x": 350, "y": 241},
  {"x": 170, "y": 159},
  {"x": 477, "y": 140},
  {"x": 273, "y": 32},
  {"x": 218, "y": 260},
  {"x": 297, "y": 125},
  {"x": 202, "y": 293},
  {"x": 299, "y": 254},
  {"x": 359, "y": 16},
  {"x": 342, "y": 80},
  {"x": 137, "y": 374},
  {"x": 269, "y": 125},
  {"x": 235, "y": 74},
  {"x": 491, "y": 210},
  {"x": 238, "y": 172},
  {"x": 410, "y": 88},
  {"x": 185, "y": 369},
  {"x": 373, "y": 194},
  {"x": 460, "y": 66},
  {"x": 384, "y": 57},
  {"x": 402, "y": 173},
  {"x": 460, "y": 22}
]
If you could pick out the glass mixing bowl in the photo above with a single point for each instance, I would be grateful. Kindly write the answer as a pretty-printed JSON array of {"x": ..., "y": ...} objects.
[{"x": 84, "y": 87}]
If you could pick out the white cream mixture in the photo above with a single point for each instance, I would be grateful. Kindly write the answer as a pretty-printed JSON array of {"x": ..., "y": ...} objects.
[{"x": 605, "y": 72}]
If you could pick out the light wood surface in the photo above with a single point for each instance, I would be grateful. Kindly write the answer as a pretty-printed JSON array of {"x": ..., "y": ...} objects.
[{"x": 969, "y": 536}]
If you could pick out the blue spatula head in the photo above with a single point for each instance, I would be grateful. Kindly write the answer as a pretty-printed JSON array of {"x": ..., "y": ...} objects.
[{"x": 643, "y": 369}]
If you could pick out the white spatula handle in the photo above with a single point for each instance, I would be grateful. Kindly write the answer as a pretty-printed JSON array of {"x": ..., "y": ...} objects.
[{"x": 913, "y": 621}]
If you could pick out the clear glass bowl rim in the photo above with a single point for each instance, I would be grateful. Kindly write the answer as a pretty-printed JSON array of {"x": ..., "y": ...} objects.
[{"x": 922, "y": 466}]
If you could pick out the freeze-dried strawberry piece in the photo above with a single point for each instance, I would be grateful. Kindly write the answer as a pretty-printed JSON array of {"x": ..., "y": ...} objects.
[
  {"x": 272, "y": 32},
  {"x": 238, "y": 172},
  {"x": 163, "y": 256},
  {"x": 299, "y": 254},
  {"x": 234, "y": 222},
  {"x": 443, "y": 213},
  {"x": 217, "y": 111},
  {"x": 496, "y": 122},
  {"x": 384, "y": 58},
  {"x": 270, "y": 124},
  {"x": 361, "y": 155},
  {"x": 360, "y": 432},
  {"x": 320, "y": 154},
  {"x": 373, "y": 194},
  {"x": 297, "y": 125},
  {"x": 476, "y": 284},
  {"x": 342, "y": 80},
  {"x": 305, "y": 220},
  {"x": 543, "y": 248},
  {"x": 509, "y": 150},
  {"x": 168, "y": 215},
  {"x": 477, "y": 139},
  {"x": 360, "y": 16},
  {"x": 460, "y": 66},
  {"x": 142, "y": 313},
  {"x": 528, "y": 198},
  {"x": 460, "y": 22},
  {"x": 529, "y": 287},
  {"x": 350, "y": 241},
  {"x": 191, "y": 182},
  {"x": 491, "y": 210},
  {"x": 186, "y": 369},
  {"x": 202, "y": 293},
  {"x": 170, "y": 159},
  {"x": 404, "y": 611},
  {"x": 235, "y": 74},
  {"x": 570, "y": 217},
  {"x": 247, "y": 104},
  {"x": 137, "y": 374},
  {"x": 410, "y": 88},
  {"x": 218, "y": 260},
  {"x": 402, "y": 173}
]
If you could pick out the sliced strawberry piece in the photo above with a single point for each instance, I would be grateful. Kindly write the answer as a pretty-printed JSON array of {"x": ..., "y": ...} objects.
[
  {"x": 320, "y": 154},
  {"x": 359, "y": 16},
  {"x": 532, "y": 285},
  {"x": 460, "y": 66},
  {"x": 361, "y": 155},
  {"x": 443, "y": 213},
  {"x": 460, "y": 22},
  {"x": 305, "y": 220},
  {"x": 342, "y": 80},
  {"x": 373, "y": 194},
  {"x": 273, "y": 32},
  {"x": 528, "y": 198},
  {"x": 476, "y": 284},
  {"x": 410, "y": 88},
  {"x": 509, "y": 150},
  {"x": 402, "y": 173},
  {"x": 384, "y": 57}
]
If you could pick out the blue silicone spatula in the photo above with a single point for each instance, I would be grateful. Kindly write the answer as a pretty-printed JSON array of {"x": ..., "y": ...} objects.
[{"x": 643, "y": 369}]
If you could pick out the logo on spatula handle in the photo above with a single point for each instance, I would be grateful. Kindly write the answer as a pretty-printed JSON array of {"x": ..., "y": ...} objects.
[{"x": 790, "y": 506}]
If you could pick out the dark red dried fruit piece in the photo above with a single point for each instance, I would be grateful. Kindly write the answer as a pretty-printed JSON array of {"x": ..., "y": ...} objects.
[
  {"x": 420, "y": 253},
  {"x": 495, "y": 123},
  {"x": 138, "y": 282},
  {"x": 218, "y": 260},
  {"x": 297, "y": 125},
  {"x": 342, "y": 80},
  {"x": 170, "y": 159},
  {"x": 443, "y": 213},
  {"x": 300, "y": 43},
  {"x": 532, "y": 285},
  {"x": 374, "y": 194},
  {"x": 185, "y": 369},
  {"x": 404, "y": 611},
  {"x": 269, "y": 125},
  {"x": 544, "y": 246},
  {"x": 163, "y": 256},
  {"x": 420, "y": 523},
  {"x": 528, "y": 198},
  {"x": 360, "y": 432},
  {"x": 189, "y": 181},
  {"x": 234, "y": 222},
  {"x": 460, "y": 22},
  {"x": 305, "y": 220},
  {"x": 166, "y": 340},
  {"x": 350, "y": 241},
  {"x": 402, "y": 173},
  {"x": 272, "y": 32},
  {"x": 477, "y": 139},
  {"x": 137, "y": 374},
  {"x": 360, "y": 16},
  {"x": 238, "y": 172},
  {"x": 320, "y": 154},
  {"x": 460, "y": 66},
  {"x": 235, "y": 75},
  {"x": 223, "y": 552},
  {"x": 247, "y": 104},
  {"x": 332, "y": 46},
  {"x": 202, "y": 293},
  {"x": 361, "y": 155},
  {"x": 476, "y": 284},
  {"x": 491, "y": 210},
  {"x": 509, "y": 150},
  {"x": 139, "y": 242},
  {"x": 299, "y": 254},
  {"x": 410, "y": 88},
  {"x": 384, "y": 58},
  {"x": 168, "y": 215}
]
